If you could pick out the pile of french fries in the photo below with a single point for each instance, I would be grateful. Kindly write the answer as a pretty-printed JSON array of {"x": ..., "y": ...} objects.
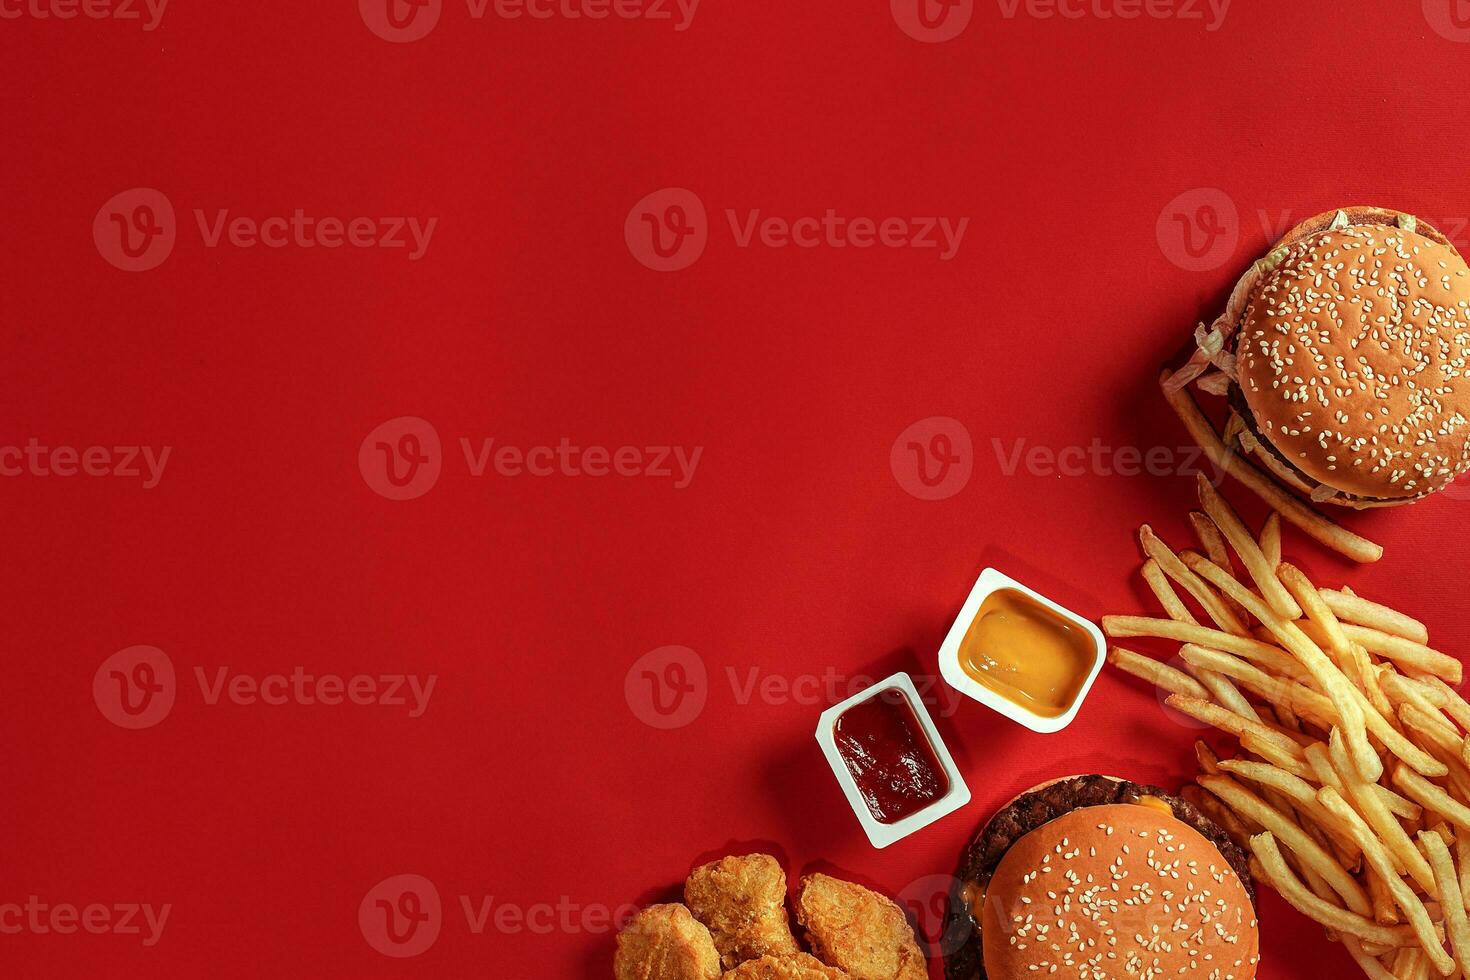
[{"x": 1351, "y": 788}]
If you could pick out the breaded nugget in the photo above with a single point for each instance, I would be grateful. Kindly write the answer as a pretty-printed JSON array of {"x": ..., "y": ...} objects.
[
  {"x": 743, "y": 901},
  {"x": 665, "y": 942},
  {"x": 858, "y": 930},
  {"x": 802, "y": 966}
]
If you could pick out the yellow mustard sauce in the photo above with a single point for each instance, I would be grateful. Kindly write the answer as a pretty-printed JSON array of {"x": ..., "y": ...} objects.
[{"x": 1026, "y": 653}]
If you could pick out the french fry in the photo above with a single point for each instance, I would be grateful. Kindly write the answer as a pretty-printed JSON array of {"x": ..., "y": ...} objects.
[
  {"x": 1213, "y": 543},
  {"x": 1370, "y": 966},
  {"x": 1312, "y": 854},
  {"x": 1274, "y": 754},
  {"x": 1406, "y": 692},
  {"x": 1384, "y": 910},
  {"x": 1462, "y": 860},
  {"x": 1173, "y": 568},
  {"x": 1400, "y": 807},
  {"x": 1439, "y": 740},
  {"x": 1408, "y": 655},
  {"x": 1343, "y": 852},
  {"x": 1291, "y": 508},
  {"x": 1306, "y": 595},
  {"x": 1328, "y": 675},
  {"x": 1156, "y": 672},
  {"x": 1359, "y": 611},
  {"x": 1209, "y": 762},
  {"x": 1168, "y": 629},
  {"x": 1300, "y": 738},
  {"x": 1386, "y": 829},
  {"x": 1271, "y": 539},
  {"x": 1320, "y": 760},
  {"x": 1227, "y": 694},
  {"x": 1443, "y": 831},
  {"x": 1223, "y": 816},
  {"x": 1158, "y": 583},
  {"x": 1447, "y": 699},
  {"x": 1456, "y": 923},
  {"x": 1287, "y": 717},
  {"x": 1274, "y": 869},
  {"x": 1413, "y": 964},
  {"x": 1262, "y": 684},
  {"x": 1216, "y": 686},
  {"x": 1366, "y": 676},
  {"x": 1301, "y": 793},
  {"x": 1431, "y": 797},
  {"x": 1228, "y": 721},
  {"x": 1260, "y": 570},
  {"x": 1377, "y": 856}
]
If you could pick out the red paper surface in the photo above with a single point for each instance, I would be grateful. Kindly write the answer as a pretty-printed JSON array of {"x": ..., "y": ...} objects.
[{"x": 798, "y": 557}]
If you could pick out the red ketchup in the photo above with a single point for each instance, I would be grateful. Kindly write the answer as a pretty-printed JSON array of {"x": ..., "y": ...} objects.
[{"x": 889, "y": 756}]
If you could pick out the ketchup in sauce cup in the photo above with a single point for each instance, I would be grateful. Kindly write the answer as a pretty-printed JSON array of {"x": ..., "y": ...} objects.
[{"x": 887, "y": 755}]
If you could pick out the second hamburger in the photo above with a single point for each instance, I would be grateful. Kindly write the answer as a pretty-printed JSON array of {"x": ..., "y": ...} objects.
[{"x": 1344, "y": 355}]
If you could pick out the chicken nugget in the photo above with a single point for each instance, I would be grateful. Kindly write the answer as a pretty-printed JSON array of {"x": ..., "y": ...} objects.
[
  {"x": 665, "y": 942},
  {"x": 858, "y": 930},
  {"x": 743, "y": 901},
  {"x": 802, "y": 966}
]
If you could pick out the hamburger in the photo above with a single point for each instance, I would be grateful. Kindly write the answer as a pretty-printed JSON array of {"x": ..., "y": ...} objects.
[
  {"x": 1097, "y": 877},
  {"x": 1343, "y": 355}
]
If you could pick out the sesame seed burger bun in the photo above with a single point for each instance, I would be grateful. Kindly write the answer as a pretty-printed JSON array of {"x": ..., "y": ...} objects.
[
  {"x": 983, "y": 941},
  {"x": 1351, "y": 360},
  {"x": 1123, "y": 889}
]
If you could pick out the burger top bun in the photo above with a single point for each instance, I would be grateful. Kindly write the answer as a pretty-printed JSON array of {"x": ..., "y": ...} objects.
[
  {"x": 1352, "y": 358},
  {"x": 1118, "y": 891}
]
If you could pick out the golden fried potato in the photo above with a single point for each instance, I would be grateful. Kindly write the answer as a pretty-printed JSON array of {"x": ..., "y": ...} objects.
[
  {"x": 858, "y": 930},
  {"x": 743, "y": 901},
  {"x": 665, "y": 942}
]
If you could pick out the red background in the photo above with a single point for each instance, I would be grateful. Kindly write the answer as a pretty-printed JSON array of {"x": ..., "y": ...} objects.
[{"x": 793, "y": 551}]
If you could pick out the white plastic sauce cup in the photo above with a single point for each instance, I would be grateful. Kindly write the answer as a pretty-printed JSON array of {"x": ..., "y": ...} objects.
[
  {"x": 882, "y": 834},
  {"x": 955, "y": 675}
]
